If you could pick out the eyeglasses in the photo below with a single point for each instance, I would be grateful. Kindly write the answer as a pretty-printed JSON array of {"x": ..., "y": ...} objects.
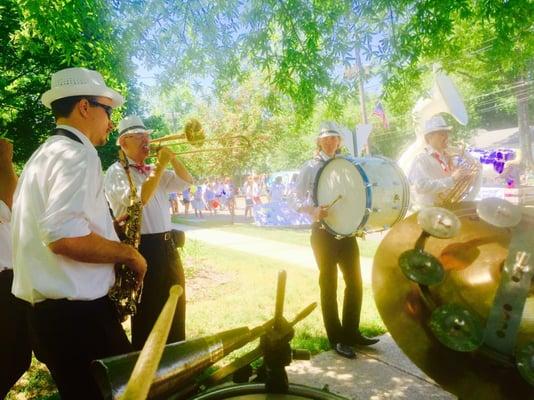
[{"x": 107, "y": 109}]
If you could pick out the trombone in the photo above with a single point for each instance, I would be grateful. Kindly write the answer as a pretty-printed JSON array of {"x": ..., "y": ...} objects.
[{"x": 193, "y": 134}]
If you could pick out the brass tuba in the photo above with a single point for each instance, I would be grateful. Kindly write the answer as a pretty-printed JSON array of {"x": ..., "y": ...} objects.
[{"x": 467, "y": 186}]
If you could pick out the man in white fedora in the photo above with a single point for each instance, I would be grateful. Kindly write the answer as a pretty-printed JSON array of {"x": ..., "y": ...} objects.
[
  {"x": 433, "y": 171},
  {"x": 332, "y": 252},
  {"x": 158, "y": 241},
  {"x": 64, "y": 243}
]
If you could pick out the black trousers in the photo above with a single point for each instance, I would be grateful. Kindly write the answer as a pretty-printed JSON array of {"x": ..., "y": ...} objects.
[
  {"x": 164, "y": 270},
  {"x": 329, "y": 253},
  {"x": 15, "y": 346},
  {"x": 68, "y": 335}
]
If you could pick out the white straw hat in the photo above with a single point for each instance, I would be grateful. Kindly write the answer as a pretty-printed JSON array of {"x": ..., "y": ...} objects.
[
  {"x": 436, "y": 124},
  {"x": 131, "y": 124},
  {"x": 79, "y": 82},
  {"x": 328, "y": 128}
]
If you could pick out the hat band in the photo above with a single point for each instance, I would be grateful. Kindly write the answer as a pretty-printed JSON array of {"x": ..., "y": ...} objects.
[
  {"x": 130, "y": 128},
  {"x": 329, "y": 131}
]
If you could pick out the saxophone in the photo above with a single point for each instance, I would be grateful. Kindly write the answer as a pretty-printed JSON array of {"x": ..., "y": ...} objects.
[{"x": 124, "y": 293}]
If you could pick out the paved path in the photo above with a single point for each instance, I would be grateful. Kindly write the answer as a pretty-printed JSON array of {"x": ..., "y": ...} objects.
[
  {"x": 301, "y": 256},
  {"x": 380, "y": 372}
]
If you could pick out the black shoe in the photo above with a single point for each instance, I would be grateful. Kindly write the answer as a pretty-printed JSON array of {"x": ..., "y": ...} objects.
[
  {"x": 360, "y": 340},
  {"x": 344, "y": 350}
]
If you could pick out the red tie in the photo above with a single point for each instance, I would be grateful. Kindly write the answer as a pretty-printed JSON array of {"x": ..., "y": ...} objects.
[
  {"x": 142, "y": 169},
  {"x": 443, "y": 164}
]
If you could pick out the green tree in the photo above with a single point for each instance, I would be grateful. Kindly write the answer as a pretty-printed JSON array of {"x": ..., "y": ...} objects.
[
  {"x": 40, "y": 37},
  {"x": 489, "y": 43}
]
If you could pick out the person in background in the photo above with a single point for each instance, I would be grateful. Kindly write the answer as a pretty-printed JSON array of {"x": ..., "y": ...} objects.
[
  {"x": 186, "y": 199},
  {"x": 64, "y": 243},
  {"x": 198, "y": 201},
  {"x": 331, "y": 252},
  {"x": 158, "y": 241},
  {"x": 15, "y": 344},
  {"x": 277, "y": 190},
  {"x": 229, "y": 194},
  {"x": 173, "y": 200},
  {"x": 249, "y": 188}
]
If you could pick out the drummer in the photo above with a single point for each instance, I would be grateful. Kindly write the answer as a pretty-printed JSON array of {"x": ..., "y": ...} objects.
[{"x": 343, "y": 333}]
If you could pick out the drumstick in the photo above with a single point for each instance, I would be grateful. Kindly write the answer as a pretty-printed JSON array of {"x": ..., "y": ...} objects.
[{"x": 329, "y": 206}]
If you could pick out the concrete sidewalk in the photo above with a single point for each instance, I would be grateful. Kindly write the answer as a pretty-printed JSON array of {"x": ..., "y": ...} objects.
[
  {"x": 379, "y": 372},
  {"x": 301, "y": 256}
]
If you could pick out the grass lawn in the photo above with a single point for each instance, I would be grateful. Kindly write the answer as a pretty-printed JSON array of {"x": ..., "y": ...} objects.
[
  {"x": 228, "y": 289},
  {"x": 298, "y": 236}
]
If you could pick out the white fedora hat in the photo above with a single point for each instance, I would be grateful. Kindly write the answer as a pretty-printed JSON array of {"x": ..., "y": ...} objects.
[
  {"x": 131, "y": 124},
  {"x": 436, "y": 124},
  {"x": 79, "y": 82},
  {"x": 329, "y": 128}
]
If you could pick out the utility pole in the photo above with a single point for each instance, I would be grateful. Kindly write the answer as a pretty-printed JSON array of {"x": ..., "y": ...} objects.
[
  {"x": 525, "y": 137},
  {"x": 361, "y": 74}
]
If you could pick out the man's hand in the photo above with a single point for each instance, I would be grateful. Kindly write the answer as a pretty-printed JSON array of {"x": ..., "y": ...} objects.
[
  {"x": 6, "y": 152},
  {"x": 320, "y": 213},
  {"x": 164, "y": 156},
  {"x": 138, "y": 265}
]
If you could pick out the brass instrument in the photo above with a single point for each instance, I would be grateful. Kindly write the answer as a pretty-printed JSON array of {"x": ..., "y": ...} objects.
[
  {"x": 466, "y": 185},
  {"x": 148, "y": 361},
  {"x": 125, "y": 293},
  {"x": 194, "y": 135},
  {"x": 179, "y": 374},
  {"x": 459, "y": 301}
]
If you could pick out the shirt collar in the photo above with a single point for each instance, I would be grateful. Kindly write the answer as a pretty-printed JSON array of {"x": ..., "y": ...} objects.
[
  {"x": 323, "y": 156},
  {"x": 79, "y": 134},
  {"x": 430, "y": 150}
]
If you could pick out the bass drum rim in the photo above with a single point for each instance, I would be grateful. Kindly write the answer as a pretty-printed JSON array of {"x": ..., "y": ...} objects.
[{"x": 232, "y": 391}]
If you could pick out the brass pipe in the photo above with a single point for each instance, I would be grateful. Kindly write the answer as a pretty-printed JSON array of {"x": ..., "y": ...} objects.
[
  {"x": 154, "y": 150},
  {"x": 200, "y": 141},
  {"x": 145, "y": 368}
]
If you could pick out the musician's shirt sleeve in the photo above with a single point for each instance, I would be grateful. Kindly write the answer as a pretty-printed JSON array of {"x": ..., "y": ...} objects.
[
  {"x": 425, "y": 178},
  {"x": 170, "y": 182},
  {"x": 70, "y": 185},
  {"x": 5, "y": 213},
  {"x": 117, "y": 189},
  {"x": 303, "y": 189}
]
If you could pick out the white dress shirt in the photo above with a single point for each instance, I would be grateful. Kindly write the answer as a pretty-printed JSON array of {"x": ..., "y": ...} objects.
[
  {"x": 60, "y": 194},
  {"x": 5, "y": 237},
  {"x": 156, "y": 214},
  {"x": 428, "y": 178},
  {"x": 304, "y": 187}
]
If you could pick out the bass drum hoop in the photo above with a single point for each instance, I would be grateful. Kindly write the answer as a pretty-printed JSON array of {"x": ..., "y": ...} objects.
[{"x": 249, "y": 390}]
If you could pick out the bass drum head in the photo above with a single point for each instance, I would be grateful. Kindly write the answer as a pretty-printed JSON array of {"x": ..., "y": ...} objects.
[
  {"x": 340, "y": 176},
  {"x": 256, "y": 391}
]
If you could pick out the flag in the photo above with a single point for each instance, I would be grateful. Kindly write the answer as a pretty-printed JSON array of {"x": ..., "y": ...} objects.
[{"x": 379, "y": 112}]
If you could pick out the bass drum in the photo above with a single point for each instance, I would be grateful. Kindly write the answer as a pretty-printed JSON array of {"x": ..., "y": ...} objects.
[
  {"x": 256, "y": 391},
  {"x": 372, "y": 194}
]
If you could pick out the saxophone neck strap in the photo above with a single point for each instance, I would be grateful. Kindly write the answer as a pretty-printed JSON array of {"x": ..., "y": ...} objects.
[{"x": 66, "y": 133}]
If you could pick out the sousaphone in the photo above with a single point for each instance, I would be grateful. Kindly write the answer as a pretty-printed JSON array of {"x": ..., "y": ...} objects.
[{"x": 454, "y": 288}]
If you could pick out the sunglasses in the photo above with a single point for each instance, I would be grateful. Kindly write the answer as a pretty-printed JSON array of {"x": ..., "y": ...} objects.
[{"x": 107, "y": 109}]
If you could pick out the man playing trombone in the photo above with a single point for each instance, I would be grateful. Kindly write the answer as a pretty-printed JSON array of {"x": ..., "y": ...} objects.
[{"x": 158, "y": 243}]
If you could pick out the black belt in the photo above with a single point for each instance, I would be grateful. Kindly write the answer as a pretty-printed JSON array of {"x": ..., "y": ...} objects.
[
  {"x": 50, "y": 303},
  {"x": 178, "y": 237}
]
